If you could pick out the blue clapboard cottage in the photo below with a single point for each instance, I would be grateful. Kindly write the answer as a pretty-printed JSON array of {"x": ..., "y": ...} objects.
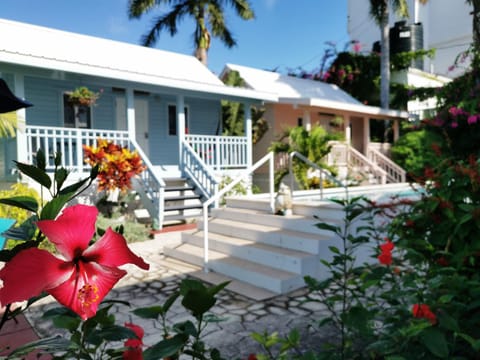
[{"x": 164, "y": 105}]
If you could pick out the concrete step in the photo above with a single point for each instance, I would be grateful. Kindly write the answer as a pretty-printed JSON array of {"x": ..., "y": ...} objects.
[
  {"x": 277, "y": 281},
  {"x": 270, "y": 235},
  {"x": 290, "y": 222},
  {"x": 276, "y": 257},
  {"x": 309, "y": 206}
]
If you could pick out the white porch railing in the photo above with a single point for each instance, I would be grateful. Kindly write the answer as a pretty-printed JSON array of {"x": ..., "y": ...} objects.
[
  {"x": 198, "y": 171},
  {"x": 394, "y": 172},
  {"x": 220, "y": 152},
  {"x": 69, "y": 142}
]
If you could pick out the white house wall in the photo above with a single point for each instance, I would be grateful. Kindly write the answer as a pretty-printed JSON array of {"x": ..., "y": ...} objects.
[{"x": 447, "y": 27}]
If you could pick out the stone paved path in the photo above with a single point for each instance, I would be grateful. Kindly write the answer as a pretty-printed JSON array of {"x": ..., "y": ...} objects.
[{"x": 242, "y": 315}]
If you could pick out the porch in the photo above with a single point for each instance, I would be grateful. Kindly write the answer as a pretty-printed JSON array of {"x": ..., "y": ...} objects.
[{"x": 204, "y": 159}]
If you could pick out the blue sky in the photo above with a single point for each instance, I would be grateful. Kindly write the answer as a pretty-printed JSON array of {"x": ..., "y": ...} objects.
[{"x": 286, "y": 34}]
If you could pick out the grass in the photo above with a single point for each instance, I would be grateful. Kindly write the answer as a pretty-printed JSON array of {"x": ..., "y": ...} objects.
[{"x": 133, "y": 231}]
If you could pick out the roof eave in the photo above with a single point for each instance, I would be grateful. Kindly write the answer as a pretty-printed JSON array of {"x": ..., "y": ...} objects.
[
  {"x": 359, "y": 109},
  {"x": 232, "y": 93}
]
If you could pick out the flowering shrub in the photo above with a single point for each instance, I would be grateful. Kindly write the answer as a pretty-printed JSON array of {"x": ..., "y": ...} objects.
[{"x": 117, "y": 165}]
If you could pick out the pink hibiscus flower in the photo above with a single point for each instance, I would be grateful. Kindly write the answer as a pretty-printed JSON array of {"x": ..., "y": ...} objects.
[{"x": 83, "y": 277}]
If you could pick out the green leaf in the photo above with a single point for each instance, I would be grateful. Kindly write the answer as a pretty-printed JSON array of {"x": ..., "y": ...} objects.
[
  {"x": 66, "y": 322},
  {"x": 186, "y": 328},
  {"x": 60, "y": 177},
  {"x": 475, "y": 344},
  {"x": 328, "y": 227},
  {"x": 53, "y": 207},
  {"x": 72, "y": 189},
  {"x": 334, "y": 249},
  {"x": 166, "y": 348},
  {"x": 198, "y": 301},
  {"x": 435, "y": 341},
  {"x": 36, "y": 173},
  {"x": 448, "y": 322},
  {"x": 151, "y": 312},
  {"x": 41, "y": 161},
  {"x": 58, "y": 159},
  {"x": 23, "y": 202},
  {"x": 217, "y": 288},
  {"x": 56, "y": 343},
  {"x": 113, "y": 333}
]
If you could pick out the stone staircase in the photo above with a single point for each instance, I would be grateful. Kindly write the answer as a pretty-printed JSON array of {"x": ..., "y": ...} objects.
[{"x": 249, "y": 244}]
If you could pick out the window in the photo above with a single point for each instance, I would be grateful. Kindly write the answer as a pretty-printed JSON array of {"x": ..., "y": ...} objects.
[
  {"x": 76, "y": 116},
  {"x": 299, "y": 121},
  {"x": 172, "y": 120}
]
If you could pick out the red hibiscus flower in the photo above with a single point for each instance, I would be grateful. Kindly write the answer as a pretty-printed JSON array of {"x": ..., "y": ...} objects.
[
  {"x": 134, "y": 345},
  {"x": 385, "y": 256},
  {"x": 85, "y": 274},
  {"x": 422, "y": 311}
]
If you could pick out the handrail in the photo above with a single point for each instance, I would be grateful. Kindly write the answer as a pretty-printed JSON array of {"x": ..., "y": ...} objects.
[
  {"x": 216, "y": 197},
  {"x": 201, "y": 174},
  {"x": 394, "y": 171},
  {"x": 315, "y": 166},
  {"x": 153, "y": 186},
  {"x": 362, "y": 158}
]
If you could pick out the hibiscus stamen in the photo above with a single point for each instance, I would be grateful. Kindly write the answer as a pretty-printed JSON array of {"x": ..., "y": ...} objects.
[{"x": 88, "y": 295}]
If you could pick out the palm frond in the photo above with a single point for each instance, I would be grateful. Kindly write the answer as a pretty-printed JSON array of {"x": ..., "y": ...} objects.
[{"x": 8, "y": 124}]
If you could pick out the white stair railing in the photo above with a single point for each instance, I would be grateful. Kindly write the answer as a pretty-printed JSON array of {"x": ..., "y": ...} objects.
[
  {"x": 395, "y": 174},
  {"x": 357, "y": 159},
  {"x": 217, "y": 196},
  {"x": 198, "y": 172},
  {"x": 150, "y": 187}
]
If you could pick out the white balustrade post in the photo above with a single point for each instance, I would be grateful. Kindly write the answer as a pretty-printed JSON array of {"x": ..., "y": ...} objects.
[
  {"x": 180, "y": 128},
  {"x": 19, "y": 89},
  {"x": 218, "y": 153},
  {"x": 131, "y": 113},
  {"x": 79, "y": 150}
]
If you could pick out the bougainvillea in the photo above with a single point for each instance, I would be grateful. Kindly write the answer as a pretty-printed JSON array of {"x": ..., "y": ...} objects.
[{"x": 117, "y": 164}]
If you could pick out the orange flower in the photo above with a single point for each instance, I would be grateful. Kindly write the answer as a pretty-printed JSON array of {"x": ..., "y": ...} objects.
[
  {"x": 117, "y": 165},
  {"x": 422, "y": 311}
]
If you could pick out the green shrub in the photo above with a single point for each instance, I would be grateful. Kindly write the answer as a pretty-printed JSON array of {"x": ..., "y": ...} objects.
[
  {"x": 415, "y": 151},
  {"x": 12, "y": 212}
]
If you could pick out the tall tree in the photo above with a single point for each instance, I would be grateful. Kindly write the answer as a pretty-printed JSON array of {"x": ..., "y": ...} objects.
[
  {"x": 209, "y": 17},
  {"x": 380, "y": 12}
]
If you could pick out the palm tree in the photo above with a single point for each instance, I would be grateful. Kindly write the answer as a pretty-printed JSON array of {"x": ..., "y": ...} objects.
[
  {"x": 380, "y": 11},
  {"x": 204, "y": 12}
]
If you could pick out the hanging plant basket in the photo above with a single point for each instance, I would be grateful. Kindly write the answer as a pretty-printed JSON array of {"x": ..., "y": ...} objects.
[{"x": 83, "y": 96}]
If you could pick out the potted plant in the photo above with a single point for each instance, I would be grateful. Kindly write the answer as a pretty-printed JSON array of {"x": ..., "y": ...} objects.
[{"x": 83, "y": 96}]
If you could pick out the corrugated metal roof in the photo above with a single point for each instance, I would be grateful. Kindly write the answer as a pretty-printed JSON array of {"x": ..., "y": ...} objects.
[
  {"x": 293, "y": 90},
  {"x": 48, "y": 48}
]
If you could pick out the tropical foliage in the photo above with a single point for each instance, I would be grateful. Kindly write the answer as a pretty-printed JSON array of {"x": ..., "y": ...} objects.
[
  {"x": 313, "y": 144},
  {"x": 233, "y": 113},
  {"x": 208, "y": 16}
]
